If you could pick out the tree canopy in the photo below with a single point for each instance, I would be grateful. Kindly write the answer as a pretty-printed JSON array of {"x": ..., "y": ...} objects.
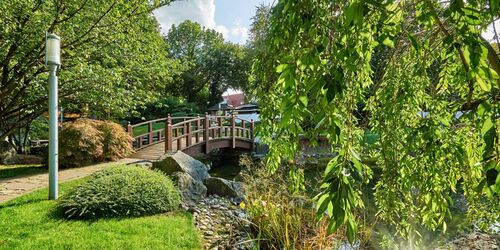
[
  {"x": 417, "y": 74},
  {"x": 112, "y": 57},
  {"x": 210, "y": 65}
]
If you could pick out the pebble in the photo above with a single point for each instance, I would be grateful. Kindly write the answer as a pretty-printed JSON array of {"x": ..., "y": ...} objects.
[{"x": 223, "y": 224}]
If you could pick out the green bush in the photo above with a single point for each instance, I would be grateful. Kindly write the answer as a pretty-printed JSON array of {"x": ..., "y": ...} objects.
[
  {"x": 86, "y": 141},
  {"x": 121, "y": 191}
]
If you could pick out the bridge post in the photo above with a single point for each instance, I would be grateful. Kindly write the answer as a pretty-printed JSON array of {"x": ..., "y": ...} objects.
[
  {"x": 207, "y": 134},
  {"x": 243, "y": 130},
  {"x": 198, "y": 125},
  {"x": 252, "y": 137},
  {"x": 150, "y": 134},
  {"x": 188, "y": 134},
  {"x": 220, "y": 126},
  {"x": 168, "y": 134},
  {"x": 233, "y": 130},
  {"x": 130, "y": 131}
]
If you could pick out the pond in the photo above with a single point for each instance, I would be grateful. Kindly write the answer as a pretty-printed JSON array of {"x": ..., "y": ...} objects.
[{"x": 223, "y": 164}]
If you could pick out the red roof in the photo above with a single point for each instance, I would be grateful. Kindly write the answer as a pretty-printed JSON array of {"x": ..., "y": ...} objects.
[{"x": 235, "y": 100}]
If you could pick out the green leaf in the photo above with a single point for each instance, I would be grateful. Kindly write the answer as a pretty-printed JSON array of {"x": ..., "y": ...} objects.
[
  {"x": 303, "y": 99},
  {"x": 388, "y": 42},
  {"x": 486, "y": 86},
  {"x": 281, "y": 68},
  {"x": 487, "y": 125},
  {"x": 414, "y": 42}
]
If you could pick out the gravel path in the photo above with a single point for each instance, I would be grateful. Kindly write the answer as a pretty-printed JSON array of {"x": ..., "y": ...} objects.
[{"x": 14, "y": 187}]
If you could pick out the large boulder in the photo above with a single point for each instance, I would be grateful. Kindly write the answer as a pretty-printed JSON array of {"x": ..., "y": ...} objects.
[
  {"x": 7, "y": 153},
  {"x": 191, "y": 190},
  {"x": 181, "y": 162},
  {"x": 223, "y": 187}
]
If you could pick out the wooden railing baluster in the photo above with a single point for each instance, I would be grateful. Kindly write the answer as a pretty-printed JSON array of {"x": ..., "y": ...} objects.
[
  {"x": 150, "y": 133},
  {"x": 206, "y": 134},
  {"x": 168, "y": 134},
  {"x": 219, "y": 120},
  {"x": 233, "y": 131},
  {"x": 188, "y": 134},
  {"x": 252, "y": 137},
  {"x": 198, "y": 123}
]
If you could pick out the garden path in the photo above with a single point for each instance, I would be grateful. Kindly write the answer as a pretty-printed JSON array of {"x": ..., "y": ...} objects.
[{"x": 13, "y": 187}]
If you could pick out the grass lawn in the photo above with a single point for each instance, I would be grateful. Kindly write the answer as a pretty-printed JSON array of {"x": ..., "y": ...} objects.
[
  {"x": 8, "y": 171},
  {"x": 32, "y": 222},
  {"x": 144, "y": 128}
]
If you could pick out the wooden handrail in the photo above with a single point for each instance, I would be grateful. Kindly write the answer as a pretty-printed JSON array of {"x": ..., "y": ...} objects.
[{"x": 147, "y": 122}]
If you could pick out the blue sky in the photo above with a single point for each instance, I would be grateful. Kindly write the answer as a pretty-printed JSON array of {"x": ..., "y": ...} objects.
[{"x": 229, "y": 17}]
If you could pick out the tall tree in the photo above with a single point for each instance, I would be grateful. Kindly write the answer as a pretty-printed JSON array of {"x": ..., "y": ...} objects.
[
  {"x": 433, "y": 101},
  {"x": 112, "y": 56},
  {"x": 210, "y": 64}
]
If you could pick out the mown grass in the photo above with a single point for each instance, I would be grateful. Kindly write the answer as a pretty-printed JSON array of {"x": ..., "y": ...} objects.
[
  {"x": 140, "y": 130},
  {"x": 9, "y": 171},
  {"x": 33, "y": 222}
]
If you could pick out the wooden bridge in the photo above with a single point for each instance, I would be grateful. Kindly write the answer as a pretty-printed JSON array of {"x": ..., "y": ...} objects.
[{"x": 192, "y": 135}]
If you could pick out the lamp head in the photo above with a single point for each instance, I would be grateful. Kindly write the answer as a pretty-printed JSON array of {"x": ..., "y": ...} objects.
[{"x": 52, "y": 49}]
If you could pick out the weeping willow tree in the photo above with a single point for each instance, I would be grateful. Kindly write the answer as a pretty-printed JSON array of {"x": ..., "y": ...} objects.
[{"x": 416, "y": 73}]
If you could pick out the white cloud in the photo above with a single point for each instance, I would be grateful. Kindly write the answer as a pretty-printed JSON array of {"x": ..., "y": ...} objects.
[
  {"x": 223, "y": 30},
  {"x": 202, "y": 12},
  {"x": 239, "y": 32}
]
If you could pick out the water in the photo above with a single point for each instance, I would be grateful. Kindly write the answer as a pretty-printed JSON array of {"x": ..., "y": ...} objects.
[{"x": 223, "y": 165}]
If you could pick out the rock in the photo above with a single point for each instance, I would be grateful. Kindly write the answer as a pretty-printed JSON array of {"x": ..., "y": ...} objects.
[
  {"x": 223, "y": 187},
  {"x": 143, "y": 164},
  {"x": 181, "y": 162},
  {"x": 238, "y": 177},
  {"x": 7, "y": 153},
  {"x": 191, "y": 190}
]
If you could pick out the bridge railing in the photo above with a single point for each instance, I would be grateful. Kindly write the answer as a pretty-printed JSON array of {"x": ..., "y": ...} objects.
[{"x": 184, "y": 132}]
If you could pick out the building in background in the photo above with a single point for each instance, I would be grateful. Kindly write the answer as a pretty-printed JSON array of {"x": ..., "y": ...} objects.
[{"x": 234, "y": 100}]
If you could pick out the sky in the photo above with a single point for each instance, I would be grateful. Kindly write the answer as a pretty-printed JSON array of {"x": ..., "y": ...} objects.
[{"x": 232, "y": 18}]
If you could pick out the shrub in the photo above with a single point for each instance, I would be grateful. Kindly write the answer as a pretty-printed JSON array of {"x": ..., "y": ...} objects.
[
  {"x": 121, "y": 191},
  {"x": 116, "y": 141},
  {"x": 86, "y": 141},
  {"x": 81, "y": 143}
]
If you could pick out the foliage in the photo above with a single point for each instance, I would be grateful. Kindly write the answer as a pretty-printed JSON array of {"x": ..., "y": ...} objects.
[
  {"x": 430, "y": 96},
  {"x": 81, "y": 143},
  {"x": 39, "y": 129},
  {"x": 32, "y": 222},
  {"x": 280, "y": 219},
  {"x": 210, "y": 65},
  {"x": 116, "y": 141},
  {"x": 106, "y": 69},
  {"x": 164, "y": 106},
  {"x": 263, "y": 74},
  {"x": 121, "y": 191},
  {"x": 86, "y": 141}
]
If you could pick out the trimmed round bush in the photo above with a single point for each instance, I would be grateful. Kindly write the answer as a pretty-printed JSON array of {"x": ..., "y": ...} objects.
[{"x": 121, "y": 191}]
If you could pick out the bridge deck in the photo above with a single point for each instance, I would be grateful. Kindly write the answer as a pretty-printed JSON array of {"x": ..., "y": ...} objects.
[
  {"x": 151, "y": 153},
  {"x": 155, "y": 151}
]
